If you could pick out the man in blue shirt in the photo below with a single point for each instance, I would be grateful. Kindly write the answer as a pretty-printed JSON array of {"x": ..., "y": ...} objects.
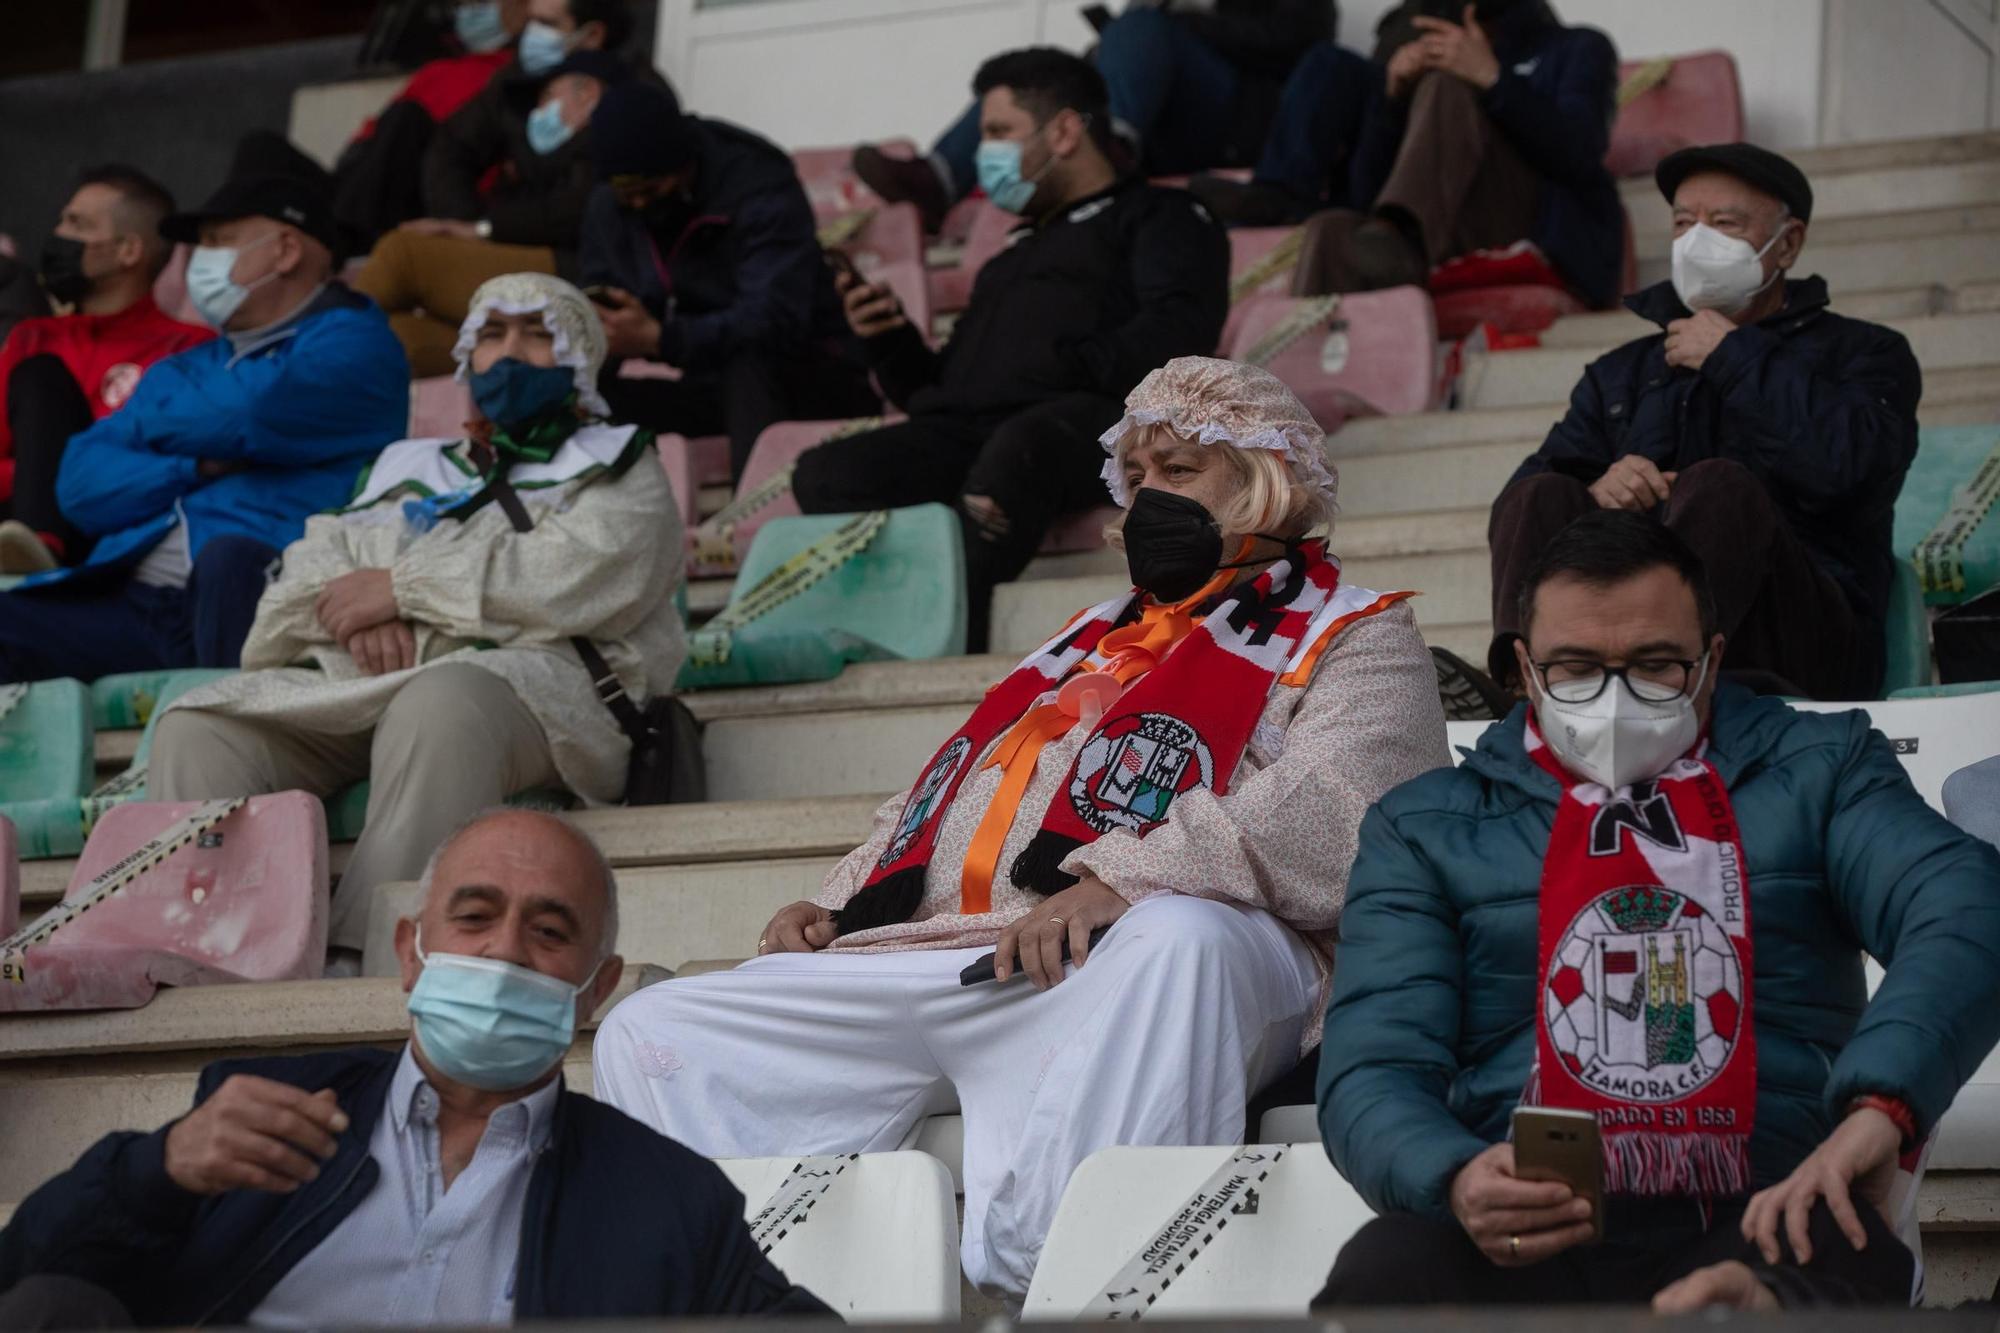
[
  {"x": 458, "y": 1183},
  {"x": 192, "y": 488}
]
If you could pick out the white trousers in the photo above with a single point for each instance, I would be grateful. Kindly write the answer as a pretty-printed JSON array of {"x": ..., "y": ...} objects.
[{"x": 1184, "y": 1010}]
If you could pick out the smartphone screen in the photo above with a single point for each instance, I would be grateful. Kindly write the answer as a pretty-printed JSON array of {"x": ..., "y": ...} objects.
[{"x": 1562, "y": 1145}]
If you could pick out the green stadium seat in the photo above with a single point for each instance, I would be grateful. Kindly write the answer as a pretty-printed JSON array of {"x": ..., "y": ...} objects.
[
  {"x": 128, "y": 700},
  {"x": 1949, "y": 457},
  {"x": 1907, "y": 630},
  {"x": 890, "y": 585},
  {"x": 45, "y": 741}
]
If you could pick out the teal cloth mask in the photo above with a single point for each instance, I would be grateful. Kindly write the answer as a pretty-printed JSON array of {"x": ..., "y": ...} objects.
[{"x": 490, "y": 1024}]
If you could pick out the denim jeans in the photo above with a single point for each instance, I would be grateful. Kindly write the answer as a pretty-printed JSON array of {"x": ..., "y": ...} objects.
[{"x": 1320, "y": 116}]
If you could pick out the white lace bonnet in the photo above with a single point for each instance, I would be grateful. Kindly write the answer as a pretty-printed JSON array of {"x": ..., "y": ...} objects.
[
  {"x": 1208, "y": 400},
  {"x": 579, "y": 337}
]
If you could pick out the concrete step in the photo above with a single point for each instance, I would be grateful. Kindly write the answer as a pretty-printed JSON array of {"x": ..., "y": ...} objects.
[
  {"x": 1610, "y": 328},
  {"x": 1950, "y": 255},
  {"x": 662, "y": 835},
  {"x": 1548, "y": 374},
  {"x": 1939, "y": 199},
  {"x": 707, "y": 596}
]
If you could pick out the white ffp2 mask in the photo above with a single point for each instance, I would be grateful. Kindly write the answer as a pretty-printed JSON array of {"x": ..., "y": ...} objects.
[
  {"x": 1717, "y": 272},
  {"x": 1618, "y": 738}
]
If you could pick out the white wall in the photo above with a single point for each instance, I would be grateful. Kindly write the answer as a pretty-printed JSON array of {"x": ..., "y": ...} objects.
[{"x": 815, "y": 72}]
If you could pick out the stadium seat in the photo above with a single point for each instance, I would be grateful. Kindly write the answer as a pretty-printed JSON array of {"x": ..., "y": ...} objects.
[
  {"x": 874, "y": 1235},
  {"x": 1258, "y": 1241},
  {"x": 1367, "y": 354},
  {"x": 951, "y": 288},
  {"x": 1944, "y": 518},
  {"x": 45, "y": 741},
  {"x": 841, "y": 588},
  {"x": 239, "y": 896},
  {"x": 678, "y": 462},
  {"x": 439, "y": 407},
  {"x": 1261, "y": 263},
  {"x": 1699, "y": 101},
  {"x": 10, "y": 879},
  {"x": 131, "y": 699},
  {"x": 763, "y": 493},
  {"x": 170, "y": 291},
  {"x": 829, "y": 180},
  {"x": 1907, "y": 634},
  {"x": 889, "y": 249}
]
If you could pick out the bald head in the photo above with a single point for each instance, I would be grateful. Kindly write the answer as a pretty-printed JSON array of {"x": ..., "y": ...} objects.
[{"x": 522, "y": 886}]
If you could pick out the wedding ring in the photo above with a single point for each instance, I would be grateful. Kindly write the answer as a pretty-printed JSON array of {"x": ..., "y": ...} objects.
[
  {"x": 1514, "y": 1246},
  {"x": 1055, "y": 921},
  {"x": 761, "y": 946}
]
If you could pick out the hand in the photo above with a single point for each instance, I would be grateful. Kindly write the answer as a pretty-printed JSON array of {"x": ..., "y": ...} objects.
[
  {"x": 1037, "y": 937},
  {"x": 453, "y": 227},
  {"x": 871, "y": 310},
  {"x": 1730, "y": 1284},
  {"x": 380, "y": 649},
  {"x": 1410, "y": 63},
  {"x": 1459, "y": 48},
  {"x": 1690, "y": 340},
  {"x": 1633, "y": 483},
  {"x": 255, "y": 1134},
  {"x": 1497, "y": 1208},
  {"x": 986, "y": 514},
  {"x": 1860, "y": 1153},
  {"x": 629, "y": 328},
  {"x": 209, "y": 469},
  {"x": 800, "y": 928},
  {"x": 354, "y": 602}
]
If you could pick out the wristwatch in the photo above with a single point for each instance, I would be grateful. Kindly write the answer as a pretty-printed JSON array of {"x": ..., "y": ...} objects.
[{"x": 483, "y": 229}]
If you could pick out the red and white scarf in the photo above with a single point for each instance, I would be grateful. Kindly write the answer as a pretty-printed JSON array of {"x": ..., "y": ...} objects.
[
  {"x": 1182, "y": 725},
  {"x": 1644, "y": 1009}
]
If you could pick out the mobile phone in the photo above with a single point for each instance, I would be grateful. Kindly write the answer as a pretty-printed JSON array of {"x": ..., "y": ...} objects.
[
  {"x": 840, "y": 263},
  {"x": 1551, "y": 1144},
  {"x": 981, "y": 970},
  {"x": 600, "y": 295}
]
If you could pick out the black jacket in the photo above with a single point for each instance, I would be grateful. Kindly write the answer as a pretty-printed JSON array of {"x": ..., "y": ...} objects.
[
  {"x": 532, "y": 198},
  {"x": 744, "y": 269},
  {"x": 1087, "y": 301},
  {"x": 1823, "y": 409},
  {"x": 619, "y": 1222},
  {"x": 1555, "y": 100}
]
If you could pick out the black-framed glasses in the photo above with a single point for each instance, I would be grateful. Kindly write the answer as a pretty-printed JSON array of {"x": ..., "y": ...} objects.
[{"x": 1656, "y": 680}]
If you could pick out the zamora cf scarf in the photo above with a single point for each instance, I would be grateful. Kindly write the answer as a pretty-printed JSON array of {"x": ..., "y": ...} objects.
[
  {"x": 1644, "y": 1012},
  {"x": 1182, "y": 725}
]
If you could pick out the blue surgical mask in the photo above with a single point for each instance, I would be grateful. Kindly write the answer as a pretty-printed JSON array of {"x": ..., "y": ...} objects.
[
  {"x": 479, "y": 27},
  {"x": 999, "y": 165},
  {"x": 547, "y": 130},
  {"x": 215, "y": 293},
  {"x": 512, "y": 392},
  {"x": 542, "y": 47},
  {"x": 490, "y": 1024}
]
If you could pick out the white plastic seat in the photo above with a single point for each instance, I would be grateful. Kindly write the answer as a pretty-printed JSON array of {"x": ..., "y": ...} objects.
[
  {"x": 1267, "y": 1250},
  {"x": 879, "y": 1244}
]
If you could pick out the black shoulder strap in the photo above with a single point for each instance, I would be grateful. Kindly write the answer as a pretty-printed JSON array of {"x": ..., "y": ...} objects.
[{"x": 630, "y": 718}]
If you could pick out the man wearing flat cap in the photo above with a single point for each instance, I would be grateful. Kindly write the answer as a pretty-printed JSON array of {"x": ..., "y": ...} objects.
[
  {"x": 211, "y": 467},
  {"x": 1769, "y": 432}
]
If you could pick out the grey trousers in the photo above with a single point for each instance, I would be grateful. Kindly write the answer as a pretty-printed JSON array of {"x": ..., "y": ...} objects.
[{"x": 454, "y": 741}]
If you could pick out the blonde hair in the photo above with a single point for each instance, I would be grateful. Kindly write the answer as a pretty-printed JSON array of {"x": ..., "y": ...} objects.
[{"x": 1269, "y": 497}]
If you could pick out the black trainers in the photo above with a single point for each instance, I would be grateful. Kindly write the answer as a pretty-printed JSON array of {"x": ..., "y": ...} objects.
[
  {"x": 1246, "y": 203},
  {"x": 903, "y": 180},
  {"x": 1379, "y": 255},
  {"x": 1467, "y": 693}
]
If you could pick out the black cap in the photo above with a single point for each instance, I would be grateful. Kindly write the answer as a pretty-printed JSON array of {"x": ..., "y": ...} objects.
[
  {"x": 639, "y": 129},
  {"x": 269, "y": 178},
  {"x": 525, "y": 90},
  {"x": 1759, "y": 168}
]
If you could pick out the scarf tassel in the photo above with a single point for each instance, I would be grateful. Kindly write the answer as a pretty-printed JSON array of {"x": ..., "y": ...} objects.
[
  {"x": 1706, "y": 1165},
  {"x": 886, "y": 902},
  {"x": 1039, "y": 866}
]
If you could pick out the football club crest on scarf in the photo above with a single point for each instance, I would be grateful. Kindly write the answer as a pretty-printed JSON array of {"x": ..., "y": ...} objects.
[
  {"x": 1644, "y": 1016},
  {"x": 1129, "y": 773}
]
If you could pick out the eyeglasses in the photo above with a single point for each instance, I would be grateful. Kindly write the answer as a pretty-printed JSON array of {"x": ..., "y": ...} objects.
[{"x": 1657, "y": 680}]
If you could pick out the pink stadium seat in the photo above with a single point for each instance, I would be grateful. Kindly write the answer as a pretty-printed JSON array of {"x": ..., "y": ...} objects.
[
  {"x": 246, "y": 901},
  {"x": 1372, "y": 354},
  {"x": 1700, "y": 102},
  {"x": 776, "y": 450},
  {"x": 439, "y": 408},
  {"x": 170, "y": 292},
  {"x": 10, "y": 878},
  {"x": 890, "y": 250},
  {"x": 951, "y": 288},
  {"x": 830, "y": 182},
  {"x": 1249, "y": 247},
  {"x": 677, "y": 461},
  {"x": 1079, "y": 532}
]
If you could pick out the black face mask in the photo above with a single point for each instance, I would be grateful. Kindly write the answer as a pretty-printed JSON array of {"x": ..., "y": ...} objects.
[
  {"x": 61, "y": 270},
  {"x": 1173, "y": 545}
]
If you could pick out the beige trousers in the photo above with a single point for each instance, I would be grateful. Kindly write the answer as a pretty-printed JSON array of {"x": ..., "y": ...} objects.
[
  {"x": 454, "y": 741},
  {"x": 425, "y": 285}
]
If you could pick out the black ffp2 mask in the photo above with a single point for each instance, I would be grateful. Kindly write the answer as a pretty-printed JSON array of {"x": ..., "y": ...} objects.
[
  {"x": 1172, "y": 544},
  {"x": 61, "y": 270}
]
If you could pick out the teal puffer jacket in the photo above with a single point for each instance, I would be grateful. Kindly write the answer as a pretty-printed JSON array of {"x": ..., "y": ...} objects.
[{"x": 1430, "y": 1032}]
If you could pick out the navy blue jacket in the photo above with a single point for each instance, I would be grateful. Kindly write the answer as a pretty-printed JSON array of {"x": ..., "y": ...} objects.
[
  {"x": 745, "y": 270},
  {"x": 1555, "y": 100},
  {"x": 1821, "y": 408},
  {"x": 619, "y": 1221}
]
